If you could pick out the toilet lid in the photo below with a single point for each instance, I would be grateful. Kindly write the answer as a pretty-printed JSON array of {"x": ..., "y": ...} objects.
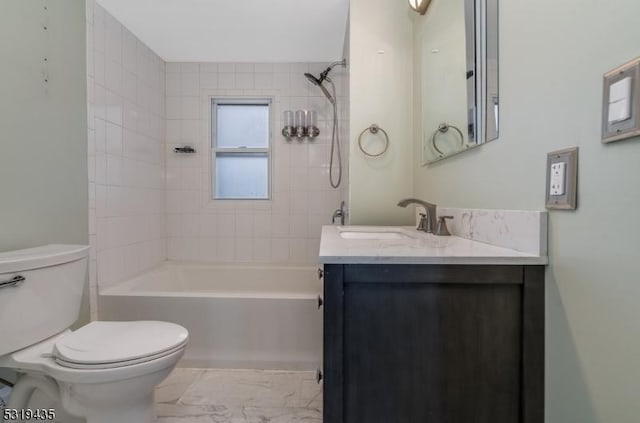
[{"x": 104, "y": 343}]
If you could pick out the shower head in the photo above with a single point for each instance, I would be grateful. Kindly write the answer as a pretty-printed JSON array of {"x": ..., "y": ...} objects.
[
  {"x": 325, "y": 73},
  {"x": 325, "y": 76},
  {"x": 313, "y": 79}
]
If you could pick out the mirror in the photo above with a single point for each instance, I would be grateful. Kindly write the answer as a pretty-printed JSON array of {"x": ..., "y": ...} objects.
[{"x": 459, "y": 76}]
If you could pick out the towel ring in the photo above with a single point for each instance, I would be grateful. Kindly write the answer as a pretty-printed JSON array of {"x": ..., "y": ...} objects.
[
  {"x": 443, "y": 128},
  {"x": 374, "y": 129}
]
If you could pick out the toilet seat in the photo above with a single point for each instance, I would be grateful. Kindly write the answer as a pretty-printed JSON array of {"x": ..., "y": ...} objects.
[{"x": 108, "y": 345}]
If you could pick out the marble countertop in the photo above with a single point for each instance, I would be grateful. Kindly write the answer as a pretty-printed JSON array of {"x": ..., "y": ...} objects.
[{"x": 406, "y": 245}]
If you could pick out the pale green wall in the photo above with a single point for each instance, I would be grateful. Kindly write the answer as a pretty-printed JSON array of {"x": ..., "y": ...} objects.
[
  {"x": 381, "y": 62},
  {"x": 43, "y": 131},
  {"x": 552, "y": 58}
]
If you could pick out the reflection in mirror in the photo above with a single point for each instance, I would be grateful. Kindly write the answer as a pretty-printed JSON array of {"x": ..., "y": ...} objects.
[{"x": 459, "y": 76}]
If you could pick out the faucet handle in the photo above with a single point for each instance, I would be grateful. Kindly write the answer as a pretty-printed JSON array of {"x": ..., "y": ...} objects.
[
  {"x": 441, "y": 228},
  {"x": 424, "y": 223}
]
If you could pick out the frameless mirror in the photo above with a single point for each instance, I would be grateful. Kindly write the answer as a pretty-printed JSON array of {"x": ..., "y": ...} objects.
[{"x": 459, "y": 76}]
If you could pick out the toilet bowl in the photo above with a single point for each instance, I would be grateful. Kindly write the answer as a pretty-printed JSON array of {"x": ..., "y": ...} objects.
[{"x": 104, "y": 372}]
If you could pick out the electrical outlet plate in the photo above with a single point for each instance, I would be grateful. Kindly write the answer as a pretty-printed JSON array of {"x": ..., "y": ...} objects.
[{"x": 563, "y": 194}]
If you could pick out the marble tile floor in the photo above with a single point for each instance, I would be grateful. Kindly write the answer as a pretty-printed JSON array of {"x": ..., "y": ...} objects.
[{"x": 191, "y": 395}]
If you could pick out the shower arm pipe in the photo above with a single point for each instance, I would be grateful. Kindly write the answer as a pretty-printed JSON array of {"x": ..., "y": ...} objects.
[
  {"x": 342, "y": 62},
  {"x": 325, "y": 73}
]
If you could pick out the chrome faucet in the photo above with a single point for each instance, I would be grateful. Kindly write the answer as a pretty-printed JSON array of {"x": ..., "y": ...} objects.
[
  {"x": 339, "y": 214},
  {"x": 428, "y": 221}
]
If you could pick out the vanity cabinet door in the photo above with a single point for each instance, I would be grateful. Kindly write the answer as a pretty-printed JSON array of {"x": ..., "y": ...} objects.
[{"x": 425, "y": 343}]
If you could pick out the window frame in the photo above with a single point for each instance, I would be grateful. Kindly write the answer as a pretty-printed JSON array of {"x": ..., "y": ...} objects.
[{"x": 215, "y": 101}]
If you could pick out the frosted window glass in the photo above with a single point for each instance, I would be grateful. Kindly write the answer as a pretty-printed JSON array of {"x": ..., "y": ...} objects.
[
  {"x": 242, "y": 176},
  {"x": 242, "y": 125}
]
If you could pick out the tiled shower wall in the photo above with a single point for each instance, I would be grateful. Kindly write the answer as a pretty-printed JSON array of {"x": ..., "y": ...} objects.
[
  {"x": 126, "y": 152},
  {"x": 148, "y": 204},
  {"x": 285, "y": 229}
]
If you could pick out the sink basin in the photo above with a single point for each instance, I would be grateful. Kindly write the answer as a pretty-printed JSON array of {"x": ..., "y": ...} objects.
[{"x": 372, "y": 234}]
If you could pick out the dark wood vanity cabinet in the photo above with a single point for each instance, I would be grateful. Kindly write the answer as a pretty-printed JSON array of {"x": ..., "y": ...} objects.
[{"x": 433, "y": 343}]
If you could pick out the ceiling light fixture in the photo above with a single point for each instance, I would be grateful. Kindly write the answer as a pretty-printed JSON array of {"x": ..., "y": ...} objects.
[{"x": 420, "y": 6}]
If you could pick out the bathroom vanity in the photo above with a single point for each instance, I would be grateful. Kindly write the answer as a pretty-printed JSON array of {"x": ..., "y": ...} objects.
[{"x": 419, "y": 328}]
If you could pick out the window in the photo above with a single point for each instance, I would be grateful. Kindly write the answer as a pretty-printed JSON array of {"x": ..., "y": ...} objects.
[{"x": 241, "y": 149}]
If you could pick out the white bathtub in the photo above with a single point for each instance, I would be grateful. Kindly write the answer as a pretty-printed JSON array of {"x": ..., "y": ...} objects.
[{"x": 260, "y": 317}]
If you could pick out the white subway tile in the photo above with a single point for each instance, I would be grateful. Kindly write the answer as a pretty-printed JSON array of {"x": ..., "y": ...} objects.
[
  {"x": 114, "y": 139},
  {"x": 226, "y": 68},
  {"x": 208, "y": 67},
  {"x": 101, "y": 168},
  {"x": 173, "y": 107},
  {"x": 130, "y": 115},
  {"x": 99, "y": 68},
  {"x": 190, "y": 84},
  {"x": 226, "y": 80},
  {"x": 208, "y": 80},
  {"x": 264, "y": 81},
  {"x": 100, "y": 135},
  {"x": 299, "y": 68},
  {"x": 190, "y": 133},
  {"x": 190, "y": 178},
  {"x": 244, "y": 67},
  {"x": 189, "y": 67},
  {"x": 150, "y": 108},
  {"x": 172, "y": 67},
  {"x": 298, "y": 251},
  {"x": 113, "y": 40},
  {"x": 189, "y": 201},
  {"x": 173, "y": 178},
  {"x": 184, "y": 249},
  {"x": 131, "y": 260},
  {"x": 244, "y": 225},
  {"x": 282, "y": 67},
  {"x": 172, "y": 84},
  {"x": 244, "y": 81},
  {"x": 264, "y": 68},
  {"x": 208, "y": 225},
  {"x": 313, "y": 250},
  {"x": 315, "y": 223},
  {"x": 190, "y": 109},
  {"x": 262, "y": 249},
  {"x": 279, "y": 250},
  {"x": 129, "y": 50},
  {"x": 208, "y": 250},
  {"x": 226, "y": 225},
  {"x": 114, "y": 170},
  {"x": 226, "y": 249},
  {"x": 299, "y": 178},
  {"x": 298, "y": 225},
  {"x": 262, "y": 225},
  {"x": 113, "y": 108},
  {"x": 244, "y": 250},
  {"x": 190, "y": 225},
  {"x": 99, "y": 35}
]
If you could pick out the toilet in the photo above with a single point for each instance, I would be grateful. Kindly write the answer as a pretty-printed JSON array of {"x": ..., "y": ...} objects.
[{"x": 104, "y": 372}]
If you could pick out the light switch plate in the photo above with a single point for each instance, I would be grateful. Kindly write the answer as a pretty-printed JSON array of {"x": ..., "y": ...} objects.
[
  {"x": 562, "y": 179},
  {"x": 621, "y": 102}
]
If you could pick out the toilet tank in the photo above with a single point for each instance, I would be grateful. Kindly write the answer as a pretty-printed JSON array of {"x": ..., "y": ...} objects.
[{"x": 40, "y": 293}]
